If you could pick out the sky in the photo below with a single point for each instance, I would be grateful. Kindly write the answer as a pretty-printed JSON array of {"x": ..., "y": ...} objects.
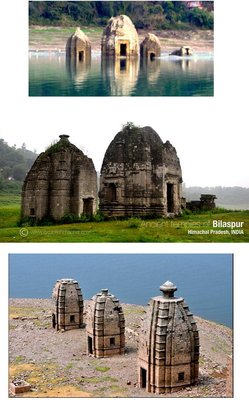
[{"x": 208, "y": 133}]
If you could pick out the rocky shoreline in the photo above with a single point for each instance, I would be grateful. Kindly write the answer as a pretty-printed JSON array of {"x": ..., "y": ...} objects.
[
  {"x": 199, "y": 40},
  {"x": 56, "y": 364}
]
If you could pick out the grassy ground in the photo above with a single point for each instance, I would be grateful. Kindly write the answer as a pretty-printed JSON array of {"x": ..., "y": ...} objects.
[
  {"x": 56, "y": 37},
  {"x": 132, "y": 230}
]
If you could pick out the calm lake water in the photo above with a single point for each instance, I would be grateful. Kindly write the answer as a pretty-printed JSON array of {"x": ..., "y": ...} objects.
[
  {"x": 204, "y": 280},
  {"x": 51, "y": 75}
]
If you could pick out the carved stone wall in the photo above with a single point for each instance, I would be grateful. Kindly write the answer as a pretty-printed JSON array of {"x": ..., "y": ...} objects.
[
  {"x": 168, "y": 354},
  {"x": 120, "y": 38},
  {"x": 68, "y": 305},
  {"x": 140, "y": 175},
  {"x": 62, "y": 180},
  {"x": 105, "y": 326},
  {"x": 150, "y": 47},
  {"x": 78, "y": 47}
]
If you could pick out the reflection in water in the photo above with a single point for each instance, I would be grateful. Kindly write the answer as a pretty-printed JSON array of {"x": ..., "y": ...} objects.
[
  {"x": 121, "y": 74},
  {"x": 78, "y": 70},
  {"x": 51, "y": 75},
  {"x": 151, "y": 68},
  {"x": 184, "y": 64}
]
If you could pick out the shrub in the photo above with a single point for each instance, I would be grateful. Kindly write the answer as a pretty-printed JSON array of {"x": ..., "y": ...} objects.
[{"x": 134, "y": 223}]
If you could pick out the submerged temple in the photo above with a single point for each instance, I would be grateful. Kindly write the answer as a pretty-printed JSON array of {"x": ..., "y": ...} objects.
[
  {"x": 168, "y": 353},
  {"x": 120, "y": 38},
  {"x": 61, "y": 181},
  {"x": 78, "y": 47},
  {"x": 150, "y": 47},
  {"x": 68, "y": 305},
  {"x": 105, "y": 326},
  {"x": 140, "y": 175}
]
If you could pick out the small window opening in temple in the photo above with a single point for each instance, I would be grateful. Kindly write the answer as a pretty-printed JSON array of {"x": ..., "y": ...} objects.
[
  {"x": 181, "y": 377},
  {"x": 123, "y": 65},
  {"x": 112, "y": 341},
  {"x": 170, "y": 199},
  {"x": 81, "y": 55},
  {"x": 90, "y": 345},
  {"x": 32, "y": 211},
  {"x": 72, "y": 318},
  {"x": 143, "y": 377},
  {"x": 123, "y": 49},
  {"x": 152, "y": 56}
]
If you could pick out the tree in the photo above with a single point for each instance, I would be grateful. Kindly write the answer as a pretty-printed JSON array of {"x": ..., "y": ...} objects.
[{"x": 19, "y": 172}]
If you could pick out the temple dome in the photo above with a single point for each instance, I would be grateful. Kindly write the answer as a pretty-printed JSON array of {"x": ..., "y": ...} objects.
[
  {"x": 120, "y": 38},
  {"x": 140, "y": 175},
  {"x": 137, "y": 144}
]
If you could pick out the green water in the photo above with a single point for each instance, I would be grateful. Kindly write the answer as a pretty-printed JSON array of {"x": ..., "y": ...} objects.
[{"x": 51, "y": 75}]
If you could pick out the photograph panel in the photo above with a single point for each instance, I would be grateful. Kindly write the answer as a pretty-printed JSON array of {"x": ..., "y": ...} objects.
[{"x": 121, "y": 325}]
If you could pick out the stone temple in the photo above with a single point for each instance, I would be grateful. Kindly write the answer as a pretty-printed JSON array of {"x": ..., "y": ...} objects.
[
  {"x": 120, "y": 38},
  {"x": 78, "y": 47},
  {"x": 150, "y": 47},
  {"x": 140, "y": 175},
  {"x": 68, "y": 305},
  {"x": 105, "y": 326},
  {"x": 168, "y": 353},
  {"x": 61, "y": 181}
]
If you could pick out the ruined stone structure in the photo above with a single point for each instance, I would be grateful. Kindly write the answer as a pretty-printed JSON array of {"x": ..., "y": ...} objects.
[
  {"x": 105, "y": 326},
  {"x": 168, "y": 353},
  {"x": 62, "y": 180},
  {"x": 120, "y": 38},
  {"x": 68, "y": 305},
  {"x": 183, "y": 51},
  {"x": 150, "y": 47},
  {"x": 206, "y": 202},
  {"x": 140, "y": 175},
  {"x": 78, "y": 47}
]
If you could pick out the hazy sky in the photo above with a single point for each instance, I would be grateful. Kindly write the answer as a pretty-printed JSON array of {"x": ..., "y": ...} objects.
[{"x": 209, "y": 133}]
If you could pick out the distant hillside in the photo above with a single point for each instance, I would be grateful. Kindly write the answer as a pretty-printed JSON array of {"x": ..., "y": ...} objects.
[
  {"x": 234, "y": 197},
  {"x": 14, "y": 165},
  {"x": 144, "y": 14}
]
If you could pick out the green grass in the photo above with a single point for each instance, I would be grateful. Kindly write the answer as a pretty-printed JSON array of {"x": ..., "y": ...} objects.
[
  {"x": 98, "y": 379},
  {"x": 133, "y": 230},
  {"x": 19, "y": 359},
  {"x": 102, "y": 369},
  {"x": 57, "y": 36}
]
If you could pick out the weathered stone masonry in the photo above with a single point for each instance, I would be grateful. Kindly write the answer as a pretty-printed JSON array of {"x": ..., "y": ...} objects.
[
  {"x": 78, "y": 47},
  {"x": 168, "y": 353},
  {"x": 61, "y": 181},
  {"x": 105, "y": 326},
  {"x": 140, "y": 175},
  {"x": 68, "y": 305},
  {"x": 120, "y": 38},
  {"x": 150, "y": 47}
]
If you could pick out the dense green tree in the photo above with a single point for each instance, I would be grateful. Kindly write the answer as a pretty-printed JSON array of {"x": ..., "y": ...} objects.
[
  {"x": 145, "y": 14},
  {"x": 14, "y": 162}
]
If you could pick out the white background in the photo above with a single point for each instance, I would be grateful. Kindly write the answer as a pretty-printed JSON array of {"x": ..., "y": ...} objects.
[{"x": 223, "y": 117}]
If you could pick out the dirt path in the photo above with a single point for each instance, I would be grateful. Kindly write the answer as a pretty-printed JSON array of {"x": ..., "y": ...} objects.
[{"x": 56, "y": 363}]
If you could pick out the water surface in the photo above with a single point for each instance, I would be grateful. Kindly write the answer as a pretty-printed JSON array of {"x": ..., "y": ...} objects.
[
  {"x": 204, "y": 280},
  {"x": 51, "y": 75}
]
